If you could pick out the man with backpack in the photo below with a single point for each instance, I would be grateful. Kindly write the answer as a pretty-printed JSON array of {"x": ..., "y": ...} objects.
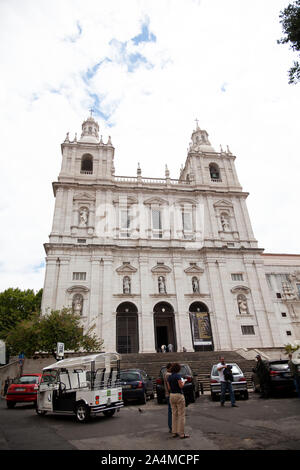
[{"x": 226, "y": 379}]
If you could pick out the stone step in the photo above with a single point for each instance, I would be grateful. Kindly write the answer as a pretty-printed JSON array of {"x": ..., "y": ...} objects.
[{"x": 200, "y": 363}]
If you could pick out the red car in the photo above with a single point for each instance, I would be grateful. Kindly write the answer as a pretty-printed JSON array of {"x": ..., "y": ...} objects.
[{"x": 23, "y": 390}]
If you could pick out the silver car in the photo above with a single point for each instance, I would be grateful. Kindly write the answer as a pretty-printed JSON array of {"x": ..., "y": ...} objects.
[{"x": 239, "y": 383}]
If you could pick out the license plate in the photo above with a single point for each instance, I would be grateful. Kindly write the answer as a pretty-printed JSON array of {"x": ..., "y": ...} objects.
[
  {"x": 126, "y": 386},
  {"x": 287, "y": 375},
  {"x": 20, "y": 389}
]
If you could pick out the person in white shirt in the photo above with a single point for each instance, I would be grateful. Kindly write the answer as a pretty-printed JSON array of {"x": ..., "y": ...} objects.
[{"x": 225, "y": 384}]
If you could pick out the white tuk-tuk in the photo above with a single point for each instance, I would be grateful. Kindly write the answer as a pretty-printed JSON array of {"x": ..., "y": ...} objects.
[{"x": 85, "y": 385}]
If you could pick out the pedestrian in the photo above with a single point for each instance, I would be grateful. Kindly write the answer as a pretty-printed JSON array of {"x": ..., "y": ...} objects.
[
  {"x": 263, "y": 375},
  {"x": 167, "y": 395},
  {"x": 226, "y": 379},
  {"x": 177, "y": 400},
  {"x": 163, "y": 348},
  {"x": 170, "y": 347},
  {"x": 6, "y": 385},
  {"x": 294, "y": 369},
  {"x": 183, "y": 349}
]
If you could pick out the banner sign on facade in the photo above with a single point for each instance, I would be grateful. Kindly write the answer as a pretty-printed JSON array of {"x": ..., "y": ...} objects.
[{"x": 201, "y": 329}]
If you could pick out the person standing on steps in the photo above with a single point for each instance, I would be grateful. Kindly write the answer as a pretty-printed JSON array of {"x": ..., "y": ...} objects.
[
  {"x": 167, "y": 395},
  {"x": 226, "y": 379}
]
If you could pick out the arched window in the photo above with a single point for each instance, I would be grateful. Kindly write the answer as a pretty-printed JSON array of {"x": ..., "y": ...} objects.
[
  {"x": 87, "y": 164},
  {"x": 214, "y": 172}
]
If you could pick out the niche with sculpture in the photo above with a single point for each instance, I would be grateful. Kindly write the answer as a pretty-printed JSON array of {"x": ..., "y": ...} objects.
[
  {"x": 126, "y": 285},
  {"x": 242, "y": 304},
  {"x": 195, "y": 285},
  {"x": 161, "y": 285},
  {"x": 77, "y": 304}
]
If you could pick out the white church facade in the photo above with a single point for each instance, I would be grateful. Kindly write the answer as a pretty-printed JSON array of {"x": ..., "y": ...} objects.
[{"x": 153, "y": 261}]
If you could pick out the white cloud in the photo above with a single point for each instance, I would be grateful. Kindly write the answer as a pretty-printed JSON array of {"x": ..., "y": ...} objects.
[{"x": 215, "y": 60}]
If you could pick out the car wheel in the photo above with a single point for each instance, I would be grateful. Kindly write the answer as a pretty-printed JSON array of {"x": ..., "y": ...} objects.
[
  {"x": 143, "y": 400},
  {"x": 214, "y": 396},
  {"x": 82, "y": 413},
  {"x": 159, "y": 399},
  {"x": 40, "y": 412},
  {"x": 192, "y": 397},
  {"x": 10, "y": 404},
  {"x": 109, "y": 413},
  {"x": 245, "y": 395}
]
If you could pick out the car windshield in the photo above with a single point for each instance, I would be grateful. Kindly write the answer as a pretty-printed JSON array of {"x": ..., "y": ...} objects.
[
  {"x": 279, "y": 367},
  {"x": 49, "y": 376},
  {"x": 27, "y": 380},
  {"x": 130, "y": 376},
  {"x": 235, "y": 370}
]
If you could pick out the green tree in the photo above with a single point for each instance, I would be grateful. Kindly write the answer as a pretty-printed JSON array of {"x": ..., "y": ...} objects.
[
  {"x": 43, "y": 332},
  {"x": 15, "y": 306},
  {"x": 289, "y": 348},
  {"x": 290, "y": 21}
]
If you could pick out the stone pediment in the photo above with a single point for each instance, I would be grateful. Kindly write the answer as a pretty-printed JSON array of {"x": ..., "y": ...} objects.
[
  {"x": 222, "y": 203},
  {"x": 83, "y": 196},
  {"x": 240, "y": 289},
  {"x": 156, "y": 201},
  {"x": 125, "y": 201},
  {"x": 161, "y": 268},
  {"x": 182, "y": 202},
  {"x": 194, "y": 269},
  {"x": 77, "y": 289},
  {"x": 126, "y": 268}
]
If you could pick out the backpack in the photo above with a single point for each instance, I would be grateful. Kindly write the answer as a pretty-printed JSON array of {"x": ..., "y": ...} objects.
[{"x": 228, "y": 374}]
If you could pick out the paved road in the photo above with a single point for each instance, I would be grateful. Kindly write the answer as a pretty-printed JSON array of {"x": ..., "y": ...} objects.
[{"x": 256, "y": 424}]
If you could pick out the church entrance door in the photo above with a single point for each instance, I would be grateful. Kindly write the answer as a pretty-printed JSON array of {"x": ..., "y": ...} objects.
[
  {"x": 164, "y": 325},
  {"x": 127, "y": 328},
  {"x": 201, "y": 327}
]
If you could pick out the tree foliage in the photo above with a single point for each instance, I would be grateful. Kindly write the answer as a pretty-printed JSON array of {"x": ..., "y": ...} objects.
[
  {"x": 290, "y": 21},
  {"x": 15, "y": 306},
  {"x": 41, "y": 333}
]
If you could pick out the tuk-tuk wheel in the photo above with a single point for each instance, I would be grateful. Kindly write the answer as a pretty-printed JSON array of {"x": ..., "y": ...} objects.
[
  {"x": 109, "y": 413},
  {"x": 82, "y": 413}
]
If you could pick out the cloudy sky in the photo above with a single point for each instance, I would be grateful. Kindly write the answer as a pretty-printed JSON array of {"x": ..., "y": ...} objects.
[{"x": 148, "y": 68}]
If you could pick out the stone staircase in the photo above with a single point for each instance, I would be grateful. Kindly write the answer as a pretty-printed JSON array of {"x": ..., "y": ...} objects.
[{"x": 200, "y": 363}]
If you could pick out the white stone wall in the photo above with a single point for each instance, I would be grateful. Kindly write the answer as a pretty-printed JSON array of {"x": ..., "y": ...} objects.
[{"x": 94, "y": 246}]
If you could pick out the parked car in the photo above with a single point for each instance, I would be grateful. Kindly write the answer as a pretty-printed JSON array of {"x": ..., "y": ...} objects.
[
  {"x": 239, "y": 383},
  {"x": 190, "y": 389},
  {"x": 23, "y": 390},
  {"x": 281, "y": 379},
  {"x": 136, "y": 385}
]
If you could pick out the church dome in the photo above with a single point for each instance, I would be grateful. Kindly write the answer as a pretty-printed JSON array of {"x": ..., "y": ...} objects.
[{"x": 90, "y": 131}]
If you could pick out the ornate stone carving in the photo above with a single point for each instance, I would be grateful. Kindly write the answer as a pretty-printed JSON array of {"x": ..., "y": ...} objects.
[
  {"x": 195, "y": 285},
  {"x": 77, "y": 304},
  {"x": 83, "y": 217},
  {"x": 161, "y": 285},
  {"x": 126, "y": 285},
  {"x": 242, "y": 304}
]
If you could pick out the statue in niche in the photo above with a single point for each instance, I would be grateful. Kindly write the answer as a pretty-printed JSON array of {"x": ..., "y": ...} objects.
[
  {"x": 242, "y": 304},
  {"x": 195, "y": 285},
  {"x": 161, "y": 285},
  {"x": 77, "y": 304},
  {"x": 126, "y": 285},
  {"x": 83, "y": 217},
  {"x": 225, "y": 223}
]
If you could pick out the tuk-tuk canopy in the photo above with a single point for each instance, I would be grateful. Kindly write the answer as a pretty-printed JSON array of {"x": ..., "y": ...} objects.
[{"x": 84, "y": 362}]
